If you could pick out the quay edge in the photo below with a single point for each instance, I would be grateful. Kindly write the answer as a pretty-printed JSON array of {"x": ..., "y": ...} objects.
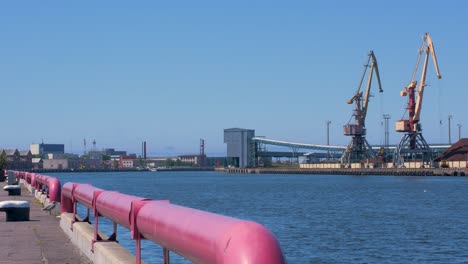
[{"x": 364, "y": 171}]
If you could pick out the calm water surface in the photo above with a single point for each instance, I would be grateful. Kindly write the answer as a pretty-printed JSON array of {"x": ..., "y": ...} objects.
[{"x": 317, "y": 218}]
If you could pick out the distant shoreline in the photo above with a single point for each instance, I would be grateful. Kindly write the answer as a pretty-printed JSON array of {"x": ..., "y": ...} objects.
[{"x": 127, "y": 170}]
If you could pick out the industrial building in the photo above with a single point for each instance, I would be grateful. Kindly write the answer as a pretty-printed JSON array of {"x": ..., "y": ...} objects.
[
  {"x": 113, "y": 152},
  {"x": 55, "y": 164},
  {"x": 43, "y": 149},
  {"x": 193, "y": 159},
  {"x": 455, "y": 156},
  {"x": 17, "y": 159},
  {"x": 240, "y": 147}
]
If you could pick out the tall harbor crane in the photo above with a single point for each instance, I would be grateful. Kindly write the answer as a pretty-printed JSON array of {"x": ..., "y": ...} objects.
[
  {"x": 413, "y": 146},
  {"x": 358, "y": 148}
]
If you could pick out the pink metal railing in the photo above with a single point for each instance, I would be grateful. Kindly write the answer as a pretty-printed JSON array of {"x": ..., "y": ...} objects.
[
  {"x": 49, "y": 185},
  {"x": 205, "y": 237},
  {"x": 199, "y": 236}
]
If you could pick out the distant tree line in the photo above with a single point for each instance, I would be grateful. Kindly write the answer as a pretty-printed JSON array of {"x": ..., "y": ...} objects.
[{"x": 177, "y": 162}]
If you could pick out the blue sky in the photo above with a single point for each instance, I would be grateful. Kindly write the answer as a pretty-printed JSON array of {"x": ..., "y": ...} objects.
[{"x": 172, "y": 72}]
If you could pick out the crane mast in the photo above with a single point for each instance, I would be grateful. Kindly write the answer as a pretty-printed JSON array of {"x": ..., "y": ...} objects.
[
  {"x": 359, "y": 149},
  {"x": 413, "y": 145}
]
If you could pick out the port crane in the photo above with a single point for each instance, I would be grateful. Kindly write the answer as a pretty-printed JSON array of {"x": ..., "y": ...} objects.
[
  {"x": 358, "y": 148},
  {"x": 412, "y": 145}
]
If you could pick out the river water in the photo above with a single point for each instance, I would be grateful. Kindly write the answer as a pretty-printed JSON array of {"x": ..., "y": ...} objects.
[{"x": 316, "y": 218}]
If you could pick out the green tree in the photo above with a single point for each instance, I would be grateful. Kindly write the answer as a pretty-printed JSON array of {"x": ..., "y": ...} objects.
[
  {"x": 170, "y": 163},
  {"x": 141, "y": 162},
  {"x": 3, "y": 162}
]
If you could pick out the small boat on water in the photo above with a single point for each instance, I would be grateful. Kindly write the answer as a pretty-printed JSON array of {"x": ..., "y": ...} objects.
[{"x": 152, "y": 169}]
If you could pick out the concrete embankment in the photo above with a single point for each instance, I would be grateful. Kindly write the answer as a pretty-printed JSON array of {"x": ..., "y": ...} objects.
[
  {"x": 366, "y": 171},
  {"x": 40, "y": 240},
  {"x": 82, "y": 235}
]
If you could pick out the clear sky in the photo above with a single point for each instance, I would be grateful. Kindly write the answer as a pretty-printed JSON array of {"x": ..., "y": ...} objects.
[{"x": 172, "y": 72}]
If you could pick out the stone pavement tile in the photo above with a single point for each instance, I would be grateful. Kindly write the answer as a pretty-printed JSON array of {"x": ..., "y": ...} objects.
[{"x": 40, "y": 240}]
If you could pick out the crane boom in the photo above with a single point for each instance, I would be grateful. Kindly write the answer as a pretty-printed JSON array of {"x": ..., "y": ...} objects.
[
  {"x": 422, "y": 83},
  {"x": 361, "y": 111},
  {"x": 369, "y": 81}
]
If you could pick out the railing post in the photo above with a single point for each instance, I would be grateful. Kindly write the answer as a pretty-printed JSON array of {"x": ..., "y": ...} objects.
[
  {"x": 138, "y": 250},
  {"x": 113, "y": 237},
  {"x": 134, "y": 232},
  {"x": 74, "y": 205},
  {"x": 96, "y": 229},
  {"x": 74, "y": 214},
  {"x": 166, "y": 256},
  {"x": 96, "y": 220}
]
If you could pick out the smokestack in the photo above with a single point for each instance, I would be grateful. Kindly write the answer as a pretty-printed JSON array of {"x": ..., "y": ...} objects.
[
  {"x": 84, "y": 144},
  {"x": 144, "y": 149},
  {"x": 201, "y": 157}
]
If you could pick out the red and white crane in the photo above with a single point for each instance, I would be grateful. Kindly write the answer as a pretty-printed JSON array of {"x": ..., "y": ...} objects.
[{"x": 413, "y": 145}]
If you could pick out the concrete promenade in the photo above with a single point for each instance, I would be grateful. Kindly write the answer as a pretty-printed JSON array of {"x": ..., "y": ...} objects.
[{"x": 40, "y": 240}]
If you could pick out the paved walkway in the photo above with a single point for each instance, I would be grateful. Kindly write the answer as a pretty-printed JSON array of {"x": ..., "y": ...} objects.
[{"x": 40, "y": 240}]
